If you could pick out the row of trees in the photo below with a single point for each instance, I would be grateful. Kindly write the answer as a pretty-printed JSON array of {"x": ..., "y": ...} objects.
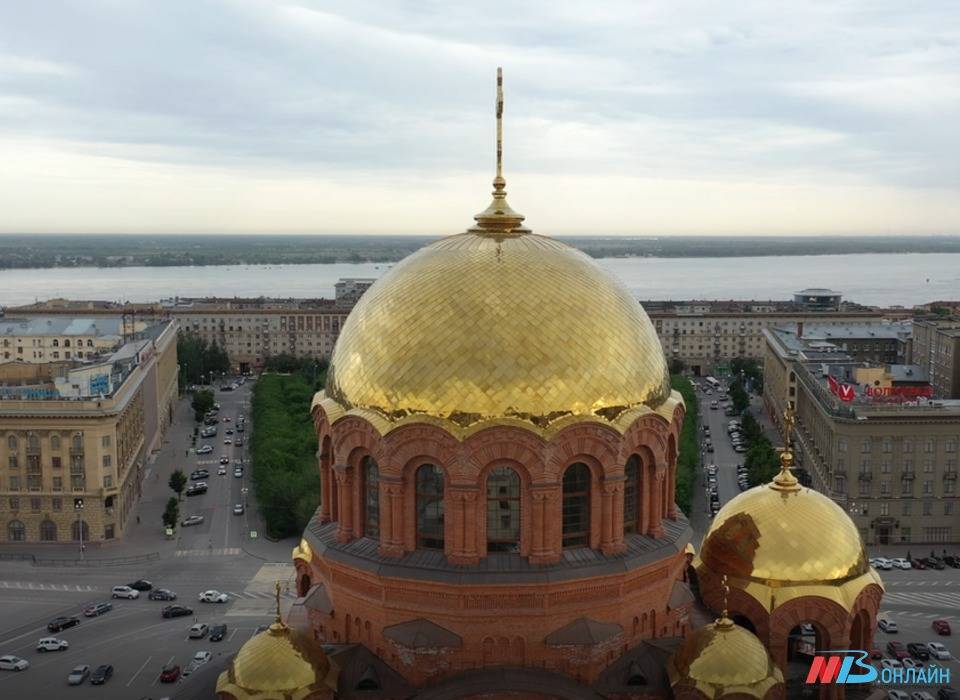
[
  {"x": 283, "y": 449},
  {"x": 688, "y": 457},
  {"x": 199, "y": 360},
  {"x": 762, "y": 460},
  {"x": 312, "y": 369},
  {"x": 177, "y": 483}
]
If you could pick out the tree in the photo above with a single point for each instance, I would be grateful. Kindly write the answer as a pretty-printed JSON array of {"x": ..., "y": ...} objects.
[
  {"x": 750, "y": 428},
  {"x": 762, "y": 462},
  {"x": 202, "y": 402},
  {"x": 739, "y": 397},
  {"x": 677, "y": 366},
  {"x": 688, "y": 456},
  {"x": 751, "y": 371},
  {"x": 172, "y": 513},
  {"x": 178, "y": 482}
]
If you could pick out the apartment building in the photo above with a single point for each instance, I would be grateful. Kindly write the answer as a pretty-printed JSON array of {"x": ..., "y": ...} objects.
[
  {"x": 43, "y": 339},
  {"x": 936, "y": 343},
  {"x": 871, "y": 435},
  {"x": 74, "y": 438}
]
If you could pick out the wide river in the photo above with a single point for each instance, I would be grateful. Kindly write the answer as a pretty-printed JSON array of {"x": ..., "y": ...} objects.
[{"x": 874, "y": 279}]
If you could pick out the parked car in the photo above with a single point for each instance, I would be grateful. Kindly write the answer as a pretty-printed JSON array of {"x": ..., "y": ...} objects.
[
  {"x": 938, "y": 651},
  {"x": 876, "y": 653},
  {"x": 238, "y": 509},
  {"x": 912, "y": 663},
  {"x": 52, "y": 644},
  {"x": 918, "y": 650},
  {"x": 918, "y": 564},
  {"x": 224, "y": 460},
  {"x": 900, "y": 563},
  {"x": 238, "y": 473},
  {"x": 218, "y": 632},
  {"x": 935, "y": 563},
  {"x": 205, "y": 450},
  {"x": 78, "y": 675},
  {"x": 891, "y": 664},
  {"x": 62, "y": 623},
  {"x": 948, "y": 693},
  {"x": 198, "y": 631},
  {"x": 897, "y": 650},
  {"x": 176, "y": 611},
  {"x": 229, "y": 431},
  {"x": 921, "y": 695},
  {"x": 10, "y": 662},
  {"x": 199, "y": 659},
  {"x": 199, "y": 474},
  {"x": 196, "y": 489},
  {"x": 941, "y": 627},
  {"x": 227, "y": 441},
  {"x": 952, "y": 560},
  {"x": 882, "y": 563},
  {"x": 897, "y": 695},
  {"x": 97, "y": 609},
  {"x": 213, "y": 597},
  {"x": 170, "y": 673},
  {"x": 221, "y": 471},
  {"x": 888, "y": 626},
  {"x": 102, "y": 674},
  {"x": 141, "y": 585},
  {"x": 124, "y": 592},
  {"x": 192, "y": 520},
  {"x": 162, "y": 594}
]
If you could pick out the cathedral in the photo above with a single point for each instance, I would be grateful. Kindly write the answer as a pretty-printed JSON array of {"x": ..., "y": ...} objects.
[{"x": 497, "y": 453}]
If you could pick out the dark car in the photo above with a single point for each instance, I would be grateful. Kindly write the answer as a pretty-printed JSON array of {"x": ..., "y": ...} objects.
[
  {"x": 218, "y": 632},
  {"x": 102, "y": 674},
  {"x": 948, "y": 693},
  {"x": 952, "y": 560},
  {"x": 170, "y": 673},
  {"x": 176, "y": 611},
  {"x": 199, "y": 474},
  {"x": 941, "y": 627},
  {"x": 141, "y": 585},
  {"x": 918, "y": 651},
  {"x": 918, "y": 563},
  {"x": 97, "y": 609},
  {"x": 196, "y": 490},
  {"x": 162, "y": 594},
  {"x": 898, "y": 650},
  {"x": 62, "y": 623},
  {"x": 935, "y": 563}
]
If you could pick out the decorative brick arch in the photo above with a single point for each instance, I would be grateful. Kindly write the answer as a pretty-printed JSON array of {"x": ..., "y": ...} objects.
[
  {"x": 862, "y": 622},
  {"x": 827, "y": 617},
  {"x": 352, "y": 432},
  {"x": 526, "y": 504},
  {"x": 599, "y": 442},
  {"x": 411, "y": 442},
  {"x": 648, "y": 431},
  {"x": 502, "y": 443},
  {"x": 739, "y": 603}
]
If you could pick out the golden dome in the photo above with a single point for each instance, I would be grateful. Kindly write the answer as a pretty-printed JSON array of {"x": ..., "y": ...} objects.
[
  {"x": 280, "y": 662},
  {"x": 775, "y": 534},
  {"x": 479, "y": 326},
  {"x": 721, "y": 659}
]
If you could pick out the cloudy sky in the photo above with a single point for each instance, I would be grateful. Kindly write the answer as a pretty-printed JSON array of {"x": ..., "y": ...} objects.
[{"x": 633, "y": 117}]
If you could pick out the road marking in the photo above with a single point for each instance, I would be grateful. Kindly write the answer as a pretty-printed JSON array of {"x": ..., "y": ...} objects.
[
  {"x": 130, "y": 682},
  {"x": 157, "y": 677},
  {"x": 230, "y": 638}
]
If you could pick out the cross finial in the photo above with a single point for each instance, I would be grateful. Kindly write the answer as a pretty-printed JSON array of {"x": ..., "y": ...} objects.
[
  {"x": 785, "y": 480},
  {"x": 499, "y": 123},
  {"x": 276, "y": 588},
  {"x": 726, "y": 592},
  {"x": 724, "y": 622}
]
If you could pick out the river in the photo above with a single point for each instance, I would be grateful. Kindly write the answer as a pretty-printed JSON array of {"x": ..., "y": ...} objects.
[{"x": 874, "y": 279}]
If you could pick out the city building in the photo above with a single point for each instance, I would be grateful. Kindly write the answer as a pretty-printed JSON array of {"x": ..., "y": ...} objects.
[
  {"x": 44, "y": 339},
  {"x": 74, "y": 438},
  {"x": 349, "y": 290},
  {"x": 936, "y": 349},
  {"x": 872, "y": 436},
  {"x": 708, "y": 335},
  {"x": 817, "y": 299}
]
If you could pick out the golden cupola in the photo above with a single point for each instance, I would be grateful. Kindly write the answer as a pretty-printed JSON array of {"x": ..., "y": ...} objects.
[{"x": 497, "y": 322}]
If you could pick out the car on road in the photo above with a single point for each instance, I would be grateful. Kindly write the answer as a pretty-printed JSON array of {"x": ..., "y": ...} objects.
[
  {"x": 198, "y": 631},
  {"x": 197, "y": 489},
  {"x": 918, "y": 650},
  {"x": 52, "y": 644},
  {"x": 938, "y": 651},
  {"x": 62, "y": 623},
  {"x": 888, "y": 626},
  {"x": 212, "y": 596},
  {"x": 205, "y": 450},
  {"x": 199, "y": 474},
  {"x": 948, "y": 693},
  {"x": 918, "y": 564},
  {"x": 900, "y": 563},
  {"x": 229, "y": 431},
  {"x": 9, "y": 662},
  {"x": 199, "y": 659},
  {"x": 952, "y": 560},
  {"x": 941, "y": 627},
  {"x": 192, "y": 520},
  {"x": 921, "y": 695},
  {"x": 935, "y": 563},
  {"x": 912, "y": 663},
  {"x": 227, "y": 441},
  {"x": 238, "y": 473},
  {"x": 240, "y": 427},
  {"x": 162, "y": 594},
  {"x": 141, "y": 585},
  {"x": 221, "y": 471},
  {"x": 176, "y": 611},
  {"x": 124, "y": 592},
  {"x": 226, "y": 419},
  {"x": 895, "y": 694},
  {"x": 102, "y": 674},
  {"x": 224, "y": 460},
  {"x": 897, "y": 650},
  {"x": 218, "y": 632},
  {"x": 891, "y": 664},
  {"x": 238, "y": 442},
  {"x": 97, "y": 609},
  {"x": 238, "y": 509},
  {"x": 882, "y": 563},
  {"x": 78, "y": 675},
  {"x": 170, "y": 673}
]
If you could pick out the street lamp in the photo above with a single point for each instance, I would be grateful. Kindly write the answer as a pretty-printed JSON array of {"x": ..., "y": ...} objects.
[{"x": 78, "y": 507}]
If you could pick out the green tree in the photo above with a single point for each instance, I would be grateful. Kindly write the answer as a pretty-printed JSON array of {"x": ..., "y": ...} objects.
[
  {"x": 178, "y": 482},
  {"x": 172, "y": 513},
  {"x": 688, "y": 451},
  {"x": 202, "y": 402},
  {"x": 750, "y": 428},
  {"x": 738, "y": 396},
  {"x": 751, "y": 370},
  {"x": 762, "y": 462},
  {"x": 677, "y": 366}
]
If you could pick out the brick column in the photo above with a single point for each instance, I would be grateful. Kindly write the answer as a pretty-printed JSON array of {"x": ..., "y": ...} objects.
[
  {"x": 645, "y": 500},
  {"x": 324, "y": 492},
  {"x": 344, "y": 475},
  {"x": 390, "y": 543},
  {"x": 612, "y": 539},
  {"x": 545, "y": 524},
  {"x": 672, "y": 492},
  {"x": 463, "y": 550},
  {"x": 656, "y": 504}
]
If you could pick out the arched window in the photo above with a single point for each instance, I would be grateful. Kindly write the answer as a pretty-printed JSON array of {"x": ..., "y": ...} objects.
[
  {"x": 33, "y": 442},
  {"x": 371, "y": 497},
  {"x": 89, "y": 343},
  {"x": 631, "y": 494},
  {"x": 503, "y": 510},
  {"x": 16, "y": 532},
  {"x": 12, "y": 442},
  {"x": 48, "y": 531},
  {"x": 66, "y": 343},
  {"x": 78, "y": 442},
  {"x": 56, "y": 343},
  {"x": 75, "y": 530},
  {"x": 429, "y": 494},
  {"x": 576, "y": 505},
  {"x": 54, "y": 442}
]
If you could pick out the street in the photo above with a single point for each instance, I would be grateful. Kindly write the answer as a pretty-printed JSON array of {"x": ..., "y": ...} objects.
[{"x": 133, "y": 637}]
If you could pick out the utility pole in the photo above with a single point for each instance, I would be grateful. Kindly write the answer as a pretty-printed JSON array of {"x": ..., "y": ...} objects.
[{"x": 78, "y": 507}]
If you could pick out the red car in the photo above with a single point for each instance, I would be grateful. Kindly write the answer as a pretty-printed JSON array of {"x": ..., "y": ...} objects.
[
  {"x": 170, "y": 673},
  {"x": 897, "y": 650},
  {"x": 941, "y": 627},
  {"x": 876, "y": 653}
]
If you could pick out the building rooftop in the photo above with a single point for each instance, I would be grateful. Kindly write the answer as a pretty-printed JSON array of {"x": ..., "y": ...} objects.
[
  {"x": 851, "y": 331},
  {"x": 62, "y": 326},
  {"x": 818, "y": 292}
]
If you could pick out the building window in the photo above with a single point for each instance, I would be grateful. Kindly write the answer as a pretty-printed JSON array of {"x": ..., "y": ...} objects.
[
  {"x": 865, "y": 465},
  {"x": 948, "y": 487},
  {"x": 950, "y": 445},
  {"x": 948, "y": 507},
  {"x": 928, "y": 487},
  {"x": 48, "y": 531},
  {"x": 842, "y": 445},
  {"x": 937, "y": 534},
  {"x": 865, "y": 447},
  {"x": 56, "y": 504},
  {"x": 371, "y": 497},
  {"x": 14, "y": 483},
  {"x": 12, "y": 462},
  {"x": 35, "y": 504},
  {"x": 12, "y": 442},
  {"x": 908, "y": 466},
  {"x": 887, "y": 445},
  {"x": 108, "y": 482},
  {"x": 16, "y": 532},
  {"x": 928, "y": 507},
  {"x": 884, "y": 509},
  {"x": 631, "y": 494},
  {"x": 904, "y": 534},
  {"x": 58, "y": 483},
  {"x": 908, "y": 445},
  {"x": 864, "y": 488},
  {"x": 503, "y": 510},
  {"x": 885, "y": 465},
  {"x": 906, "y": 508},
  {"x": 930, "y": 446},
  {"x": 928, "y": 465},
  {"x": 108, "y": 532},
  {"x": 429, "y": 497},
  {"x": 107, "y": 461},
  {"x": 105, "y": 441},
  {"x": 576, "y": 505},
  {"x": 839, "y": 484},
  {"x": 884, "y": 487}
]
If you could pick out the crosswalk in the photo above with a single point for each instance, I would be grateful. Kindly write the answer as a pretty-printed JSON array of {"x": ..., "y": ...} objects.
[
  {"x": 209, "y": 552},
  {"x": 924, "y": 599},
  {"x": 31, "y": 586},
  {"x": 259, "y": 595},
  {"x": 918, "y": 584}
]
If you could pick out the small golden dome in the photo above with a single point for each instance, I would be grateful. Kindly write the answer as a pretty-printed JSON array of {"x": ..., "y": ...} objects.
[
  {"x": 723, "y": 658},
  {"x": 775, "y": 534},
  {"x": 279, "y": 661}
]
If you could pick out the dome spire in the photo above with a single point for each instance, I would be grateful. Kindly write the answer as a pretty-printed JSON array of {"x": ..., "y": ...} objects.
[
  {"x": 785, "y": 480},
  {"x": 724, "y": 622},
  {"x": 498, "y": 218}
]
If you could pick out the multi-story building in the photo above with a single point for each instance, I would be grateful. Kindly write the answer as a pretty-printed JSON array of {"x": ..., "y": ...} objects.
[
  {"x": 936, "y": 343},
  {"x": 707, "y": 335},
  {"x": 43, "y": 339},
  {"x": 871, "y": 437},
  {"x": 74, "y": 439}
]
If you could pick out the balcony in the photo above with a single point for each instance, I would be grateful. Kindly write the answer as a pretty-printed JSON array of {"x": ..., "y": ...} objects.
[
  {"x": 865, "y": 476},
  {"x": 76, "y": 451},
  {"x": 950, "y": 476},
  {"x": 908, "y": 476}
]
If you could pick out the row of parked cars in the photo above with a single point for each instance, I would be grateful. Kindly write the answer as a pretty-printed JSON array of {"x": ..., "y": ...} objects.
[{"x": 931, "y": 562}]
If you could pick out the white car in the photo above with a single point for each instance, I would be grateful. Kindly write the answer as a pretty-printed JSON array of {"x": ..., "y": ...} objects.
[
  {"x": 227, "y": 441},
  {"x": 52, "y": 644},
  {"x": 882, "y": 563},
  {"x": 221, "y": 471},
  {"x": 238, "y": 509},
  {"x": 921, "y": 695},
  {"x": 938, "y": 651},
  {"x": 891, "y": 664},
  {"x": 199, "y": 659},
  {"x": 888, "y": 626},
  {"x": 125, "y": 592},
  {"x": 213, "y": 597},
  {"x": 192, "y": 520},
  {"x": 897, "y": 695},
  {"x": 900, "y": 563},
  {"x": 13, "y": 663},
  {"x": 911, "y": 663},
  {"x": 205, "y": 450}
]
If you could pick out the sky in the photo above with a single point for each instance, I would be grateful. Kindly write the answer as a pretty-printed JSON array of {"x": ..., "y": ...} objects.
[{"x": 621, "y": 117}]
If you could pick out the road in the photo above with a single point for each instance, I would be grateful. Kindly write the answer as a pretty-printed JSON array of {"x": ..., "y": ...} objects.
[{"x": 133, "y": 637}]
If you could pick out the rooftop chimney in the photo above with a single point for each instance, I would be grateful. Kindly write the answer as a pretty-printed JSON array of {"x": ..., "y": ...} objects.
[{"x": 799, "y": 329}]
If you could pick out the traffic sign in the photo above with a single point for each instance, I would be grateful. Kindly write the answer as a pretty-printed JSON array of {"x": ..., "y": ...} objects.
[{"x": 253, "y": 534}]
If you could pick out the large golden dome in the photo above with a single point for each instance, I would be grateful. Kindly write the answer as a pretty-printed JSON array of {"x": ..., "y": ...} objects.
[{"x": 723, "y": 659}]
